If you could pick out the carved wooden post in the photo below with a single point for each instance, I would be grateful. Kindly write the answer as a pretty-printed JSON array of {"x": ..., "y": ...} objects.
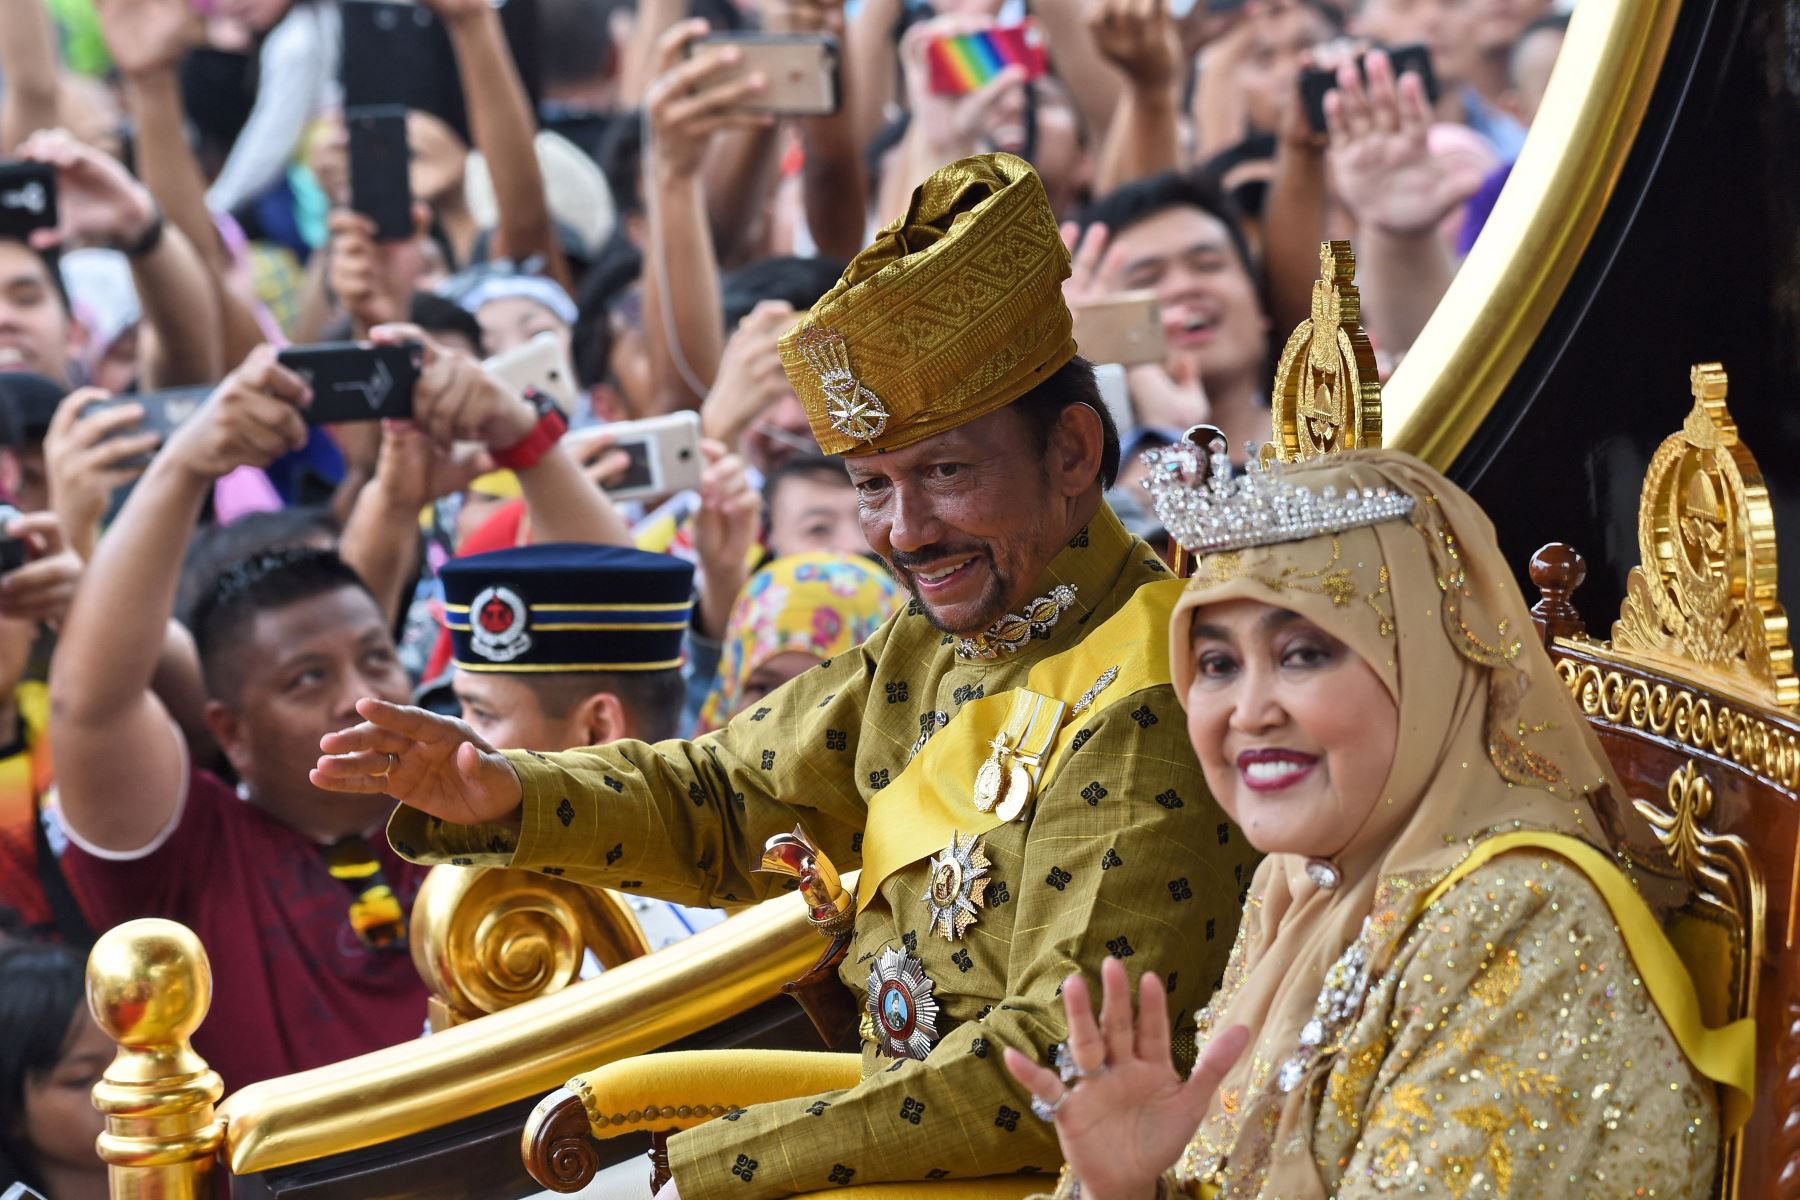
[
  {"x": 149, "y": 986},
  {"x": 1557, "y": 570}
]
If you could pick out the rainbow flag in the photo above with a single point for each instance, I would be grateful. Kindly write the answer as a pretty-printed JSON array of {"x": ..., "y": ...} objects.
[{"x": 968, "y": 62}]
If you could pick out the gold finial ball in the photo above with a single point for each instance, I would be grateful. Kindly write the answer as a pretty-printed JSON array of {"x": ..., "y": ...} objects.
[{"x": 149, "y": 982}]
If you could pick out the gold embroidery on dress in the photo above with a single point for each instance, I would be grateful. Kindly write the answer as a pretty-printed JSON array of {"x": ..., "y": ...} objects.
[{"x": 1329, "y": 580}]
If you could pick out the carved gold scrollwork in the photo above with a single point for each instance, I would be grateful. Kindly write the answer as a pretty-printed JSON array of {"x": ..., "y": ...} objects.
[
  {"x": 1327, "y": 395},
  {"x": 487, "y": 938},
  {"x": 1704, "y": 592},
  {"x": 1699, "y": 721},
  {"x": 1717, "y": 866}
]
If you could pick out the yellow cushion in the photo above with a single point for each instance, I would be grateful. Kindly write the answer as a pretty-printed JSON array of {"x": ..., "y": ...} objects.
[{"x": 682, "y": 1088}]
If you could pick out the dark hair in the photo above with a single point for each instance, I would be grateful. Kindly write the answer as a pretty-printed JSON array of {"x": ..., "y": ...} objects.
[
  {"x": 653, "y": 698},
  {"x": 826, "y": 467},
  {"x": 1142, "y": 199},
  {"x": 437, "y": 314},
  {"x": 263, "y": 582},
  {"x": 621, "y": 161},
  {"x": 574, "y": 40},
  {"x": 51, "y": 261},
  {"x": 215, "y": 548},
  {"x": 41, "y": 989},
  {"x": 616, "y": 267},
  {"x": 1246, "y": 199},
  {"x": 1072, "y": 383},
  {"x": 800, "y": 281}
]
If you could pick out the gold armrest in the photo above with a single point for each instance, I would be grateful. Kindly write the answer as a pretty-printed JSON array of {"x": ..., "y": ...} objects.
[
  {"x": 521, "y": 1051},
  {"x": 683, "y": 1088},
  {"x": 660, "y": 1093}
]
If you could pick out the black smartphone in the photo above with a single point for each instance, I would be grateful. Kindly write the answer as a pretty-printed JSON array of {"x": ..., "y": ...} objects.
[
  {"x": 27, "y": 198},
  {"x": 352, "y": 381},
  {"x": 380, "y": 187},
  {"x": 13, "y": 551},
  {"x": 1316, "y": 81},
  {"x": 400, "y": 53},
  {"x": 165, "y": 411}
]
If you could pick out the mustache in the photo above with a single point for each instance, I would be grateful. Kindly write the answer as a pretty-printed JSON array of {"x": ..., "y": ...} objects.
[{"x": 912, "y": 560}]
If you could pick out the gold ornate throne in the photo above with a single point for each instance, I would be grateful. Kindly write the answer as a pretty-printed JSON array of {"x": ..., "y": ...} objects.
[{"x": 1693, "y": 698}]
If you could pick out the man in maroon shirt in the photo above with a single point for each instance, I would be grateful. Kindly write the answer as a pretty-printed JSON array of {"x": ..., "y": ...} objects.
[{"x": 293, "y": 890}]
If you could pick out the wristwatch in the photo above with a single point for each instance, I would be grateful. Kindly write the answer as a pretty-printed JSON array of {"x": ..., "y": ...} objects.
[{"x": 525, "y": 453}]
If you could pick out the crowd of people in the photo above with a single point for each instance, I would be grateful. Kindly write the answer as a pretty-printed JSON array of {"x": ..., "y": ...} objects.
[{"x": 233, "y": 636}]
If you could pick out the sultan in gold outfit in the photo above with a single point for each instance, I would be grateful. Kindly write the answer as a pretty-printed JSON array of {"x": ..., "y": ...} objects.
[
  {"x": 1120, "y": 851},
  {"x": 1470, "y": 999}
]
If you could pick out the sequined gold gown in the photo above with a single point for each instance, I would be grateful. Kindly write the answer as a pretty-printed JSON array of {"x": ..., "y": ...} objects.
[{"x": 1510, "y": 1050}]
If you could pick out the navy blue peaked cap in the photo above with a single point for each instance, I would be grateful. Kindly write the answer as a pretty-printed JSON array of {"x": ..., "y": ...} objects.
[{"x": 567, "y": 607}]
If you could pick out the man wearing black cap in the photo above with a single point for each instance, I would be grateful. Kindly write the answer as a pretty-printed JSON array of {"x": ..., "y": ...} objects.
[{"x": 565, "y": 645}]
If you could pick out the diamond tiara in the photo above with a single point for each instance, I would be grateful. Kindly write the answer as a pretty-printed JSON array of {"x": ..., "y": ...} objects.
[{"x": 1208, "y": 510}]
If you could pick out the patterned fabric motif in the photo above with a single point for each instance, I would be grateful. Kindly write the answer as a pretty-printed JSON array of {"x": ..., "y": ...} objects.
[
  {"x": 822, "y": 604},
  {"x": 942, "y": 1115},
  {"x": 1511, "y": 1051}
]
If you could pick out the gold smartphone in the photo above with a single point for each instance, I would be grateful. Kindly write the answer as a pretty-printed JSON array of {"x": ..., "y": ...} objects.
[
  {"x": 801, "y": 70},
  {"x": 1125, "y": 328}
]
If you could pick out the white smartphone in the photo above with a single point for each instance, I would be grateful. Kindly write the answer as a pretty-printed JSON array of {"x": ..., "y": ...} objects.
[
  {"x": 664, "y": 453},
  {"x": 539, "y": 364}
]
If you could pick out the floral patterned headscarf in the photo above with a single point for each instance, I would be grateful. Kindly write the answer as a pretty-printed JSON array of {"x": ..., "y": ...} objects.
[{"x": 821, "y": 604}]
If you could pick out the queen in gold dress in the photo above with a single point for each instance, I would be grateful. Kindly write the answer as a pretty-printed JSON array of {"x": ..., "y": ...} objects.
[{"x": 1444, "y": 985}]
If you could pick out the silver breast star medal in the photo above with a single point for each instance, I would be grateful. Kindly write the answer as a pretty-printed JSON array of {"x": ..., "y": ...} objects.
[
  {"x": 902, "y": 1006},
  {"x": 953, "y": 897}
]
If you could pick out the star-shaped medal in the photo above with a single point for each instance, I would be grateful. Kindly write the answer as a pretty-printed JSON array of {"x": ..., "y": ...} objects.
[{"x": 953, "y": 897}]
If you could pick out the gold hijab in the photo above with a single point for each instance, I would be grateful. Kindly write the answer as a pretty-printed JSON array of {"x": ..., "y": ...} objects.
[{"x": 1489, "y": 742}]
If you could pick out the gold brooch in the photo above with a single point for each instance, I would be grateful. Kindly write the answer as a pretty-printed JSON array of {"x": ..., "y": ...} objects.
[
  {"x": 854, "y": 410},
  {"x": 953, "y": 897}
]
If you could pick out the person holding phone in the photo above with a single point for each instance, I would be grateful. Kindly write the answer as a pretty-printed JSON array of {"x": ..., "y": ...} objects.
[
  {"x": 286, "y": 641},
  {"x": 979, "y": 447}
]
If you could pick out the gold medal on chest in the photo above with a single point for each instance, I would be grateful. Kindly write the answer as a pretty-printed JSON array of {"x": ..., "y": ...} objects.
[
  {"x": 1018, "y": 791},
  {"x": 992, "y": 779}
]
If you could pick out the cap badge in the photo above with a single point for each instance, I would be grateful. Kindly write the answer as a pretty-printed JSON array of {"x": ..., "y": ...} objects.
[
  {"x": 854, "y": 410},
  {"x": 497, "y": 621}
]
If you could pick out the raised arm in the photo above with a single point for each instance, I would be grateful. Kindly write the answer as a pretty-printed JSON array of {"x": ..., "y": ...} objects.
[
  {"x": 120, "y": 760},
  {"x": 28, "y": 59},
  {"x": 502, "y": 126},
  {"x": 682, "y": 321},
  {"x": 1141, "y": 39},
  {"x": 834, "y": 186},
  {"x": 456, "y": 401},
  {"x": 147, "y": 39},
  {"x": 98, "y": 200},
  {"x": 1399, "y": 194}
]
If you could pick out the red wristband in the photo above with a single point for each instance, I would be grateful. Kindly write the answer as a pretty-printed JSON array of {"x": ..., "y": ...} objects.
[{"x": 526, "y": 453}]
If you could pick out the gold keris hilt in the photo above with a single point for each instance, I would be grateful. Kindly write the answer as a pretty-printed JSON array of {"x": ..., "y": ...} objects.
[{"x": 830, "y": 908}]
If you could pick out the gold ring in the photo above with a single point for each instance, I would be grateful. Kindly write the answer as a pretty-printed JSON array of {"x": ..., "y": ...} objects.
[{"x": 392, "y": 761}]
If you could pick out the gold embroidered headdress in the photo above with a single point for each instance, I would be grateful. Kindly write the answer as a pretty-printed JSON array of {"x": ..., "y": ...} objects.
[{"x": 954, "y": 311}]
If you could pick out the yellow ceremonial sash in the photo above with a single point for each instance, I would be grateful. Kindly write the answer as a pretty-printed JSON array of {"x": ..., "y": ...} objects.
[
  {"x": 1727, "y": 1054},
  {"x": 914, "y": 816}
]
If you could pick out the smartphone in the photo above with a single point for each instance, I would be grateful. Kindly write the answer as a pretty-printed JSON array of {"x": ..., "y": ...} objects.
[
  {"x": 380, "y": 187},
  {"x": 13, "y": 551},
  {"x": 400, "y": 53},
  {"x": 27, "y": 198},
  {"x": 165, "y": 411},
  {"x": 1316, "y": 81},
  {"x": 664, "y": 453},
  {"x": 352, "y": 381},
  {"x": 1126, "y": 328},
  {"x": 539, "y": 365},
  {"x": 967, "y": 62},
  {"x": 802, "y": 70}
]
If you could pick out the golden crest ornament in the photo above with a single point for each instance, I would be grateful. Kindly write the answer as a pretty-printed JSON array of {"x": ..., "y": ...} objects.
[
  {"x": 955, "y": 892},
  {"x": 901, "y": 1006},
  {"x": 854, "y": 410},
  {"x": 991, "y": 779}
]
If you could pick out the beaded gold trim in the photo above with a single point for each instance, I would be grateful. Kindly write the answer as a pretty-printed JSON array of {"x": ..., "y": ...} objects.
[{"x": 1015, "y": 630}]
